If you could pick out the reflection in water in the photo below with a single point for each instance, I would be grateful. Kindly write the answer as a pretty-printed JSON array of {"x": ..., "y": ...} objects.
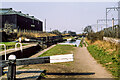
[{"x": 77, "y": 42}]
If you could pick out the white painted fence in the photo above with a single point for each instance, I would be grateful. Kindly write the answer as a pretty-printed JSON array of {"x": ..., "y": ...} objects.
[{"x": 61, "y": 58}]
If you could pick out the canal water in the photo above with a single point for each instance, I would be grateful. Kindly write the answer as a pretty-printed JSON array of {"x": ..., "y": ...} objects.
[{"x": 77, "y": 42}]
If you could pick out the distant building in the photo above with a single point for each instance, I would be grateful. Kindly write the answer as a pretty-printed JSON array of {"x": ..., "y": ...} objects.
[{"x": 12, "y": 20}]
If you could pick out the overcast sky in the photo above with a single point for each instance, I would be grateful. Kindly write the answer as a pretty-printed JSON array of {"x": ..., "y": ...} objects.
[{"x": 72, "y": 16}]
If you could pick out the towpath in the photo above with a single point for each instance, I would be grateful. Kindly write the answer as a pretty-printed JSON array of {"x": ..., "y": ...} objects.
[
  {"x": 84, "y": 66},
  {"x": 85, "y": 63}
]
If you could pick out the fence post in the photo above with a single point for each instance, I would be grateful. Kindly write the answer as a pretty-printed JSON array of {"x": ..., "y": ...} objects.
[{"x": 11, "y": 68}]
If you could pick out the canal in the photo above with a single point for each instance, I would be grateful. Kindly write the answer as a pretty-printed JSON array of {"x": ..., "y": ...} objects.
[{"x": 69, "y": 42}]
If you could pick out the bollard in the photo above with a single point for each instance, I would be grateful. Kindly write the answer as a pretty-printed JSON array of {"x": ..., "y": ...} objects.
[{"x": 11, "y": 68}]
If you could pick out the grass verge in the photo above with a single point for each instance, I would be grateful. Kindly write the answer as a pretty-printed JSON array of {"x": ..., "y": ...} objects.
[
  {"x": 58, "y": 50},
  {"x": 110, "y": 61},
  {"x": 84, "y": 44},
  {"x": 81, "y": 43}
]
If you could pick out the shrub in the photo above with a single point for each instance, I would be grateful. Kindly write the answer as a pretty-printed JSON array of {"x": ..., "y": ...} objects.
[{"x": 95, "y": 36}]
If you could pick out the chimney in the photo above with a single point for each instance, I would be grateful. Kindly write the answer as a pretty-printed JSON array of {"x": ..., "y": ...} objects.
[
  {"x": 27, "y": 14},
  {"x": 10, "y": 8},
  {"x": 19, "y": 11},
  {"x": 32, "y": 16},
  {"x": 112, "y": 23}
]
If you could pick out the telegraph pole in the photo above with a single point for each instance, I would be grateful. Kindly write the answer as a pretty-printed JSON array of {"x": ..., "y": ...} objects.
[
  {"x": 46, "y": 33},
  {"x": 45, "y": 25},
  {"x": 97, "y": 25},
  {"x": 50, "y": 29}
]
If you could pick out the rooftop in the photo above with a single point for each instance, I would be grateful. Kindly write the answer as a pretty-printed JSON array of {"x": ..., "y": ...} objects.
[{"x": 6, "y": 11}]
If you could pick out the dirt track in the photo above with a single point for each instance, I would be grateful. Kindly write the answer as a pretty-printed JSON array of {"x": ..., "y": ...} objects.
[{"x": 84, "y": 66}]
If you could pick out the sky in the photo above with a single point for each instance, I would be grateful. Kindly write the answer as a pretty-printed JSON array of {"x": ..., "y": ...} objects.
[{"x": 73, "y": 16}]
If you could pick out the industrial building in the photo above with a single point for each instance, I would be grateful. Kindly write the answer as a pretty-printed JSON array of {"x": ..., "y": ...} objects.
[{"x": 12, "y": 20}]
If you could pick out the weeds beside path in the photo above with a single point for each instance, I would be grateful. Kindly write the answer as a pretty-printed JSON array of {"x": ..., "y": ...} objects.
[{"x": 107, "y": 59}]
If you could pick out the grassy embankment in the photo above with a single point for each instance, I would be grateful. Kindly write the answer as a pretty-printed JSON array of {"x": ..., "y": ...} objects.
[
  {"x": 58, "y": 50},
  {"x": 106, "y": 54},
  {"x": 10, "y": 45},
  {"x": 82, "y": 43}
]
